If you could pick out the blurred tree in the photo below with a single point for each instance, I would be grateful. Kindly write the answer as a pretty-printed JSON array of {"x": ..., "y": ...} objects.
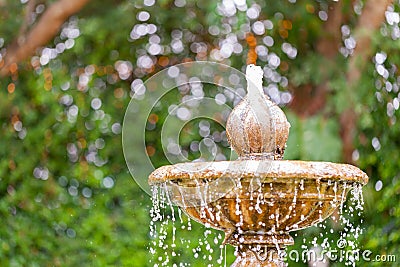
[{"x": 65, "y": 195}]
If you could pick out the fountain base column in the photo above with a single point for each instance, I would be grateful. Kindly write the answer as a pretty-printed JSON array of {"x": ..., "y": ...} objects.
[{"x": 259, "y": 250}]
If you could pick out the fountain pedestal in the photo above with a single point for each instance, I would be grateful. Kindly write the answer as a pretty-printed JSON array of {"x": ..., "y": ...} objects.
[
  {"x": 259, "y": 250},
  {"x": 259, "y": 198}
]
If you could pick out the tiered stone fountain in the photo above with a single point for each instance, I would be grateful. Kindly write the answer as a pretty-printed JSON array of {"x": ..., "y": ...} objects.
[{"x": 259, "y": 198}]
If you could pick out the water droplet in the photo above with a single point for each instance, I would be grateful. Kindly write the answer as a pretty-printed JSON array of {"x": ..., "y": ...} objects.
[{"x": 378, "y": 185}]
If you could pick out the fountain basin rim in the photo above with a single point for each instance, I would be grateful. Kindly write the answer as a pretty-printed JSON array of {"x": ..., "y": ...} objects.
[{"x": 287, "y": 169}]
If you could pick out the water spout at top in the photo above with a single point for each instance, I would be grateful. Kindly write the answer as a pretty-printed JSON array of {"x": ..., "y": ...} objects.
[{"x": 254, "y": 75}]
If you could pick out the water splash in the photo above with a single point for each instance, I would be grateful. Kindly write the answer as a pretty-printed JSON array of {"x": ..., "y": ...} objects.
[
  {"x": 167, "y": 247},
  {"x": 347, "y": 224}
]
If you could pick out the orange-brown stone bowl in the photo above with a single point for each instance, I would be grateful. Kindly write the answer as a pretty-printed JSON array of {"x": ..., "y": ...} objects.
[{"x": 258, "y": 202}]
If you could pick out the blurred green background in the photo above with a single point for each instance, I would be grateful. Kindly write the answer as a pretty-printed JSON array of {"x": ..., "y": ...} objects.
[{"x": 66, "y": 197}]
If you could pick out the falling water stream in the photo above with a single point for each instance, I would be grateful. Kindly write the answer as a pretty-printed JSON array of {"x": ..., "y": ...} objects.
[{"x": 165, "y": 238}]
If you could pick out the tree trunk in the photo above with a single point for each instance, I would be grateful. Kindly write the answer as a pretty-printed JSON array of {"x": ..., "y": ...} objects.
[{"x": 309, "y": 99}]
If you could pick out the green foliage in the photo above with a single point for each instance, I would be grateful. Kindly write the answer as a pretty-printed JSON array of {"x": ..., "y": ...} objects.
[
  {"x": 314, "y": 138},
  {"x": 378, "y": 149}
]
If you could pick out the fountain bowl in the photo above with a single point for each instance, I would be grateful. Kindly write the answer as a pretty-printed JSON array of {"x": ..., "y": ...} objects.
[{"x": 258, "y": 202}]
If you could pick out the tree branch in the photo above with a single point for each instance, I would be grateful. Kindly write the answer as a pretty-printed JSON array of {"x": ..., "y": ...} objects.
[
  {"x": 46, "y": 28},
  {"x": 329, "y": 44}
]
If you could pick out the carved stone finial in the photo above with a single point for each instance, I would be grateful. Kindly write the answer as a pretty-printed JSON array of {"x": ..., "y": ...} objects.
[{"x": 257, "y": 127}]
